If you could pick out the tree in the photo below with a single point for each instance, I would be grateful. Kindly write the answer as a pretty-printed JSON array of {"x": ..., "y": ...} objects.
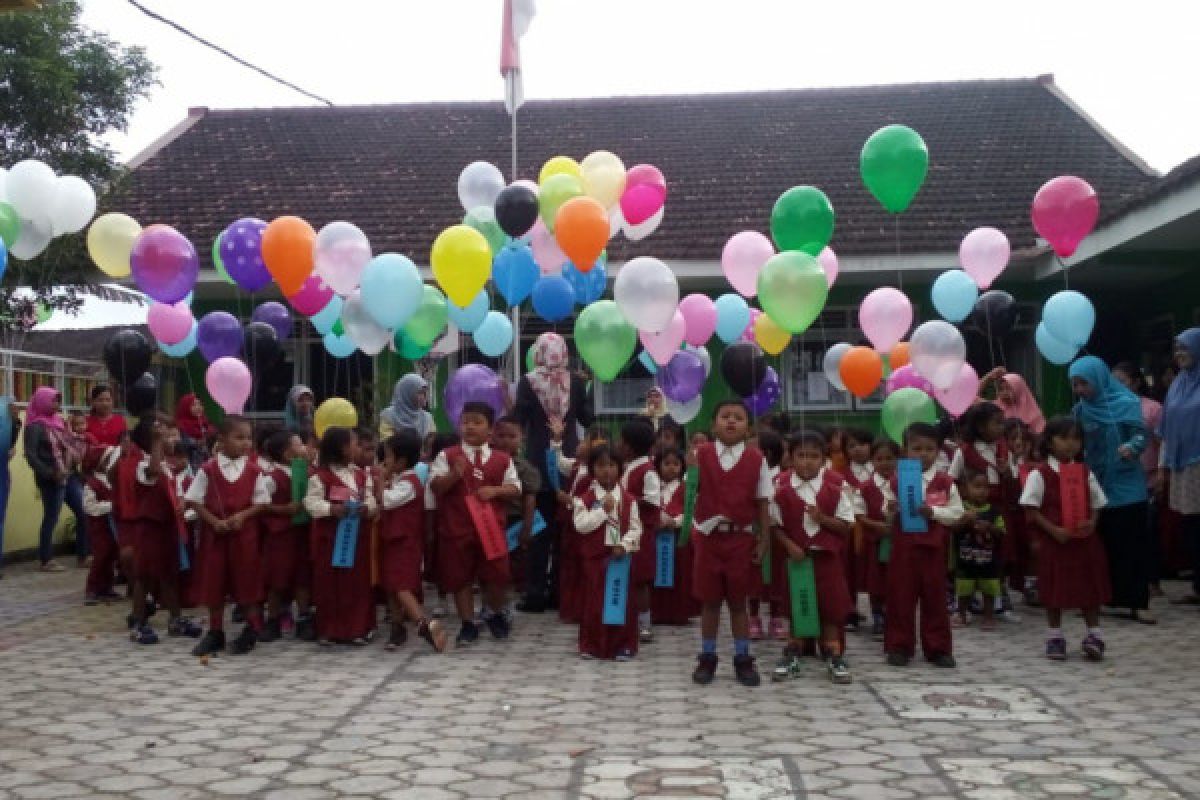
[{"x": 62, "y": 87}]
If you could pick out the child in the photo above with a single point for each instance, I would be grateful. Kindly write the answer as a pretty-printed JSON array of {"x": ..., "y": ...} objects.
[
  {"x": 675, "y": 605},
  {"x": 735, "y": 485},
  {"x": 606, "y": 518},
  {"x": 699, "y": 438},
  {"x": 402, "y": 498},
  {"x": 835, "y": 436},
  {"x": 1022, "y": 444},
  {"x": 856, "y": 446},
  {"x": 437, "y": 443},
  {"x": 181, "y": 479},
  {"x": 101, "y": 533},
  {"x": 878, "y": 505},
  {"x": 1072, "y": 567},
  {"x": 917, "y": 569},
  {"x": 367, "y": 449},
  {"x": 813, "y": 515},
  {"x": 336, "y": 489},
  {"x": 641, "y": 482},
  {"x": 227, "y": 494},
  {"x": 977, "y": 537},
  {"x": 770, "y": 443},
  {"x": 506, "y": 437},
  {"x": 286, "y": 571},
  {"x": 473, "y": 470},
  {"x": 576, "y": 482},
  {"x": 669, "y": 437},
  {"x": 948, "y": 434}
]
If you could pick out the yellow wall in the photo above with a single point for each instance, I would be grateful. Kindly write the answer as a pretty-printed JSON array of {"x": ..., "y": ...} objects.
[{"x": 24, "y": 514}]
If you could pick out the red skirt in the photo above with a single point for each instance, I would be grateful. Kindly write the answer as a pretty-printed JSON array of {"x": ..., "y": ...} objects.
[
  {"x": 677, "y": 605},
  {"x": 642, "y": 571},
  {"x": 285, "y": 559},
  {"x": 595, "y": 638},
  {"x": 345, "y": 609},
  {"x": 156, "y": 550},
  {"x": 1073, "y": 574},
  {"x": 570, "y": 572},
  {"x": 400, "y": 563},
  {"x": 231, "y": 567}
]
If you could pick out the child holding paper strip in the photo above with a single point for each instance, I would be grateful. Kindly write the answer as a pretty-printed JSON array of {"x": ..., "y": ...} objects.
[
  {"x": 102, "y": 534},
  {"x": 285, "y": 543},
  {"x": 641, "y": 481},
  {"x": 875, "y": 516},
  {"x": 674, "y": 605},
  {"x": 576, "y": 482},
  {"x": 856, "y": 445}
]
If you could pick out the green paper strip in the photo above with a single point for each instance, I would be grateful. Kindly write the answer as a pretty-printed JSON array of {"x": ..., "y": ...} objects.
[
  {"x": 802, "y": 582},
  {"x": 299, "y": 489},
  {"x": 691, "y": 483},
  {"x": 885, "y": 549}
]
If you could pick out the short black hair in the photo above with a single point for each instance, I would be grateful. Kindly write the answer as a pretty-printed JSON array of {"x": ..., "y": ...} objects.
[
  {"x": 599, "y": 452},
  {"x": 858, "y": 436},
  {"x": 808, "y": 438},
  {"x": 1058, "y": 426},
  {"x": 481, "y": 408},
  {"x": 405, "y": 446},
  {"x": 665, "y": 454},
  {"x": 669, "y": 425},
  {"x": 441, "y": 441},
  {"x": 971, "y": 473},
  {"x": 262, "y": 435},
  {"x": 365, "y": 434},
  {"x": 508, "y": 419},
  {"x": 725, "y": 404},
  {"x": 976, "y": 416},
  {"x": 707, "y": 435},
  {"x": 333, "y": 445},
  {"x": 771, "y": 445},
  {"x": 276, "y": 444},
  {"x": 597, "y": 432},
  {"x": 638, "y": 435},
  {"x": 777, "y": 421},
  {"x": 922, "y": 430},
  {"x": 231, "y": 421},
  {"x": 884, "y": 443},
  {"x": 143, "y": 434},
  {"x": 99, "y": 389}
]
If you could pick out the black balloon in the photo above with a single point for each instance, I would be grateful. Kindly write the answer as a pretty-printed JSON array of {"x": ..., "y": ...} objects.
[
  {"x": 516, "y": 210},
  {"x": 127, "y": 355},
  {"x": 141, "y": 395},
  {"x": 260, "y": 345},
  {"x": 744, "y": 368},
  {"x": 994, "y": 315}
]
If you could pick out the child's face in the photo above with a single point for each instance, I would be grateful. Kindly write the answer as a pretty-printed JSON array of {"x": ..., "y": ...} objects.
[
  {"x": 177, "y": 462},
  {"x": 858, "y": 452},
  {"x": 506, "y": 438},
  {"x": 606, "y": 472},
  {"x": 366, "y": 452},
  {"x": 668, "y": 439},
  {"x": 924, "y": 449},
  {"x": 884, "y": 461},
  {"x": 78, "y": 425},
  {"x": 295, "y": 448},
  {"x": 1066, "y": 447},
  {"x": 992, "y": 428},
  {"x": 975, "y": 491},
  {"x": 698, "y": 439},
  {"x": 807, "y": 461},
  {"x": 474, "y": 428},
  {"x": 391, "y": 463},
  {"x": 1004, "y": 393},
  {"x": 237, "y": 442},
  {"x": 1019, "y": 444},
  {"x": 670, "y": 469},
  {"x": 197, "y": 409},
  {"x": 732, "y": 425},
  {"x": 171, "y": 434},
  {"x": 350, "y": 453},
  {"x": 835, "y": 441}
]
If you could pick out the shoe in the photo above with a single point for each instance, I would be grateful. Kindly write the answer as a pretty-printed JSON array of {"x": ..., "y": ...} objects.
[
  {"x": 852, "y": 622},
  {"x": 1009, "y": 616},
  {"x": 324, "y": 642},
  {"x": 877, "y": 627},
  {"x": 397, "y": 638},
  {"x": 756, "y": 628},
  {"x": 238, "y": 616},
  {"x": 432, "y": 631},
  {"x": 646, "y": 634},
  {"x": 531, "y": 605},
  {"x": 624, "y": 655},
  {"x": 944, "y": 660},
  {"x": 706, "y": 669},
  {"x": 360, "y": 641},
  {"x": 1143, "y": 616},
  {"x": 467, "y": 634},
  {"x": 898, "y": 659},
  {"x": 272, "y": 630},
  {"x": 1056, "y": 649},
  {"x": 498, "y": 625},
  {"x": 183, "y": 626},
  {"x": 213, "y": 642},
  {"x": 975, "y": 606},
  {"x": 109, "y": 597},
  {"x": 151, "y": 609},
  {"x": 144, "y": 634},
  {"x": 779, "y": 629},
  {"x": 244, "y": 642},
  {"x": 131, "y": 622},
  {"x": 52, "y": 566},
  {"x": 306, "y": 628},
  {"x": 788, "y": 667},
  {"x": 90, "y": 599},
  {"x": 587, "y": 656},
  {"x": 743, "y": 668},
  {"x": 1093, "y": 648},
  {"x": 839, "y": 671}
]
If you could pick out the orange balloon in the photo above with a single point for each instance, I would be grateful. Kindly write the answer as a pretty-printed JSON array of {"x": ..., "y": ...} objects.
[
  {"x": 861, "y": 370},
  {"x": 899, "y": 356},
  {"x": 287, "y": 250},
  {"x": 581, "y": 228}
]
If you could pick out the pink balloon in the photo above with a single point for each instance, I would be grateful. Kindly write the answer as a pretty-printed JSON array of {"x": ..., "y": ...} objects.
[
  {"x": 885, "y": 316},
  {"x": 228, "y": 381},
  {"x": 549, "y": 256},
  {"x": 962, "y": 392},
  {"x": 907, "y": 378},
  {"x": 984, "y": 254},
  {"x": 748, "y": 333},
  {"x": 700, "y": 316},
  {"x": 645, "y": 193},
  {"x": 1064, "y": 211},
  {"x": 829, "y": 262},
  {"x": 743, "y": 258},
  {"x": 663, "y": 346},
  {"x": 170, "y": 323},
  {"x": 314, "y": 295}
]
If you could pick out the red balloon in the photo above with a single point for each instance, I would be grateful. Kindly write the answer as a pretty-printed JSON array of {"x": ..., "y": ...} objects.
[{"x": 1064, "y": 211}]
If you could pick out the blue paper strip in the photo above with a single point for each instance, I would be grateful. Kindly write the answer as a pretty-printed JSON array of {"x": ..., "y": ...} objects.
[
  {"x": 616, "y": 590},
  {"x": 346, "y": 541},
  {"x": 112, "y": 526},
  {"x": 552, "y": 473},
  {"x": 185, "y": 563},
  {"x": 514, "y": 530},
  {"x": 664, "y": 565},
  {"x": 910, "y": 489}
]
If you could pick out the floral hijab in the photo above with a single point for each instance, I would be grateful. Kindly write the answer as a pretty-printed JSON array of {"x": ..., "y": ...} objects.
[{"x": 550, "y": 378}]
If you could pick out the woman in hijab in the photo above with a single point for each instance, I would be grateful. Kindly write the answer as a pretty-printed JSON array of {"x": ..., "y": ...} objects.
[
  {"x": 1015, "y": 399},
  {"x": 47, "y": 450},
  {"x": 298, "y": 411},
  {"x": 1114, "y": 438},
  {"x": 1181, "y": 446},
  {"x": 656, "y": 408},
  {"x": 407, "y": 411}
]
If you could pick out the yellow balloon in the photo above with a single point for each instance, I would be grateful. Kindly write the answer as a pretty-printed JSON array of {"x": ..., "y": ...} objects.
[
  {"x": 560, "y": 165},
  {"x": 110, "y": 241},
  {"x": 770, "y": 337},
  {"x": 336, "y": 412},
  {"x": 462, "y": 263},
  {"x": 603, "y": 177}
]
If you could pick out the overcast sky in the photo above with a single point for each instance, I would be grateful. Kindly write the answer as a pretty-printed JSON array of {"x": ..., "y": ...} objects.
[{"x": 1132, "y": 67}]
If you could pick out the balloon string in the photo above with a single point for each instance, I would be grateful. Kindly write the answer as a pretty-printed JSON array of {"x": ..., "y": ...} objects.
[
  {"x": 899, "y": 269},
  {"x": 991, "y": 351},
  {"x": 1063, "y": 267}
]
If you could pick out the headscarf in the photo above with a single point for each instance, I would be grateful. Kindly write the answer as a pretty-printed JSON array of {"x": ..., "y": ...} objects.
[
  {"x": 1023, "y": 406},
  {"x": 290, "y": 419},
  {"x": 655, "y": 413},
  {"x": 404, "y": 413},
  {"x": 41, "y": 409},
  {"x": 1180, "y": 427},
  {"x": 550, "y": 379},
  {"x": 1110, "y": 403},
  {"x": 195, "y": 428}
]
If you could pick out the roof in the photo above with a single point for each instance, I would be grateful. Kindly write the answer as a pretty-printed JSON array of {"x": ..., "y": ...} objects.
[
  {"x": 1177, "y": 178},
  {"x": 78, "y": 344},
  {"x": 393, "y": 169}
]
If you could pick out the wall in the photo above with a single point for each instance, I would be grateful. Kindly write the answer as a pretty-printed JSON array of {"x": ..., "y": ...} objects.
[{"x": 23, "y": 517}]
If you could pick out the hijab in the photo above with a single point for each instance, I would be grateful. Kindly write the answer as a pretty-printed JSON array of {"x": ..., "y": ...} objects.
[
  {"x": 655, "y": 412},
  {"x": 41, "y": 409},
  {"x": 1180, "y": 427},
  {"x": 290, "y": 418},
  {"x": 1023, "y": 406},
  {"x": 550, "y": 379},
  {"x": 405, "y": 413},
  {"x": 1111, "y": 403},
  {"x": 195, "y": 428}
]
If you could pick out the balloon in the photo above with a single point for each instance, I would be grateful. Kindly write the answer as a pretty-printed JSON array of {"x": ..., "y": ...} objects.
[
  {"x": 164, "y": 264},
  {"x": 336, "y": 412},
  {"x": 748, "y": 333},
  {"x": 287, "y": 250},
  {"x": 770, "y": 337},
  {"x": 635, "y": 233},
  {"x": 428, "y": 321},
  {"x": 127, "y": 354},
  {"x": 515, "y": 272},
  {"x": 494, "y": 336},
  {"x": 42, "y": 313},
  {"x": 555, "y": 191},
  {"x": 899, "y": 356},
  {"x": 516, "y": 209},
  {"x": 549, "y": 256},
  {"x": 861, "y": 370},
  {"x": 647, "y": 293},
  {"x": 938, "y": 352},
  {"x": 340, "y": 254},
  {"x": 665, "y": 344},
  {"x": 994, "y": 315},
  {"x": 1069, "y": 317},
  {"x": 904, "y": 407},
  {"x": 170, "y": 323},
  {"x": 474, "y": 383},
  {"x": 588, "y": 286},
  {"x": 241, "y": 254},
  {"x": 792, "y": 290},
  {"x": 802, "y": 219},
  {"x": 683, "y": 413},
  {"x": 470, "y": 318},
  {"x": 1053, "y": 350},
  {"x": 184, "y": 347},
  {"x": 603, "y": 177},
  {"x": 702, "y": 352},
  {"x": 141, "y": 395},
  {"x": 218, "y": 264},
  {"x": 829, "y": 263},
  {"x": 743, "y": 258},
  {"x": 885, "y": 316},
  {"x": 767, "y": 395},
  {"x": 277, "y": 316},
  {"x": 733, "y": 315},
  {"x": 581, "y": 230},
  {"x": 483, "y": 219},
  {"x": 73, "y": 206},
  {"x": 462, "y": 263},
  {"x": 605, "y": 340},
  {"x": 218, "y": 335},
  {"x": 339, "y": 345},
  {"x": 1064, "y": 211},
  {"x": 832, "y": 365},
  {"x": 682, "y": 377},
  {"x": 560, "y": 165},
  {"x": 391, "y": 289},
  {"x": 646, "y": 361},
  {"x": 31, "y": 239},
  {"x": 699, "y": 317},
  {"x": 479, "y": 184},
  {"x": 408, "y": 348},
  {"x": 645, "y": 193},
  {"x": 984, "y": 254},
  {"x": 553, "y": 298},
  {"x": 313, "y": 296},
  {"x": 10, "y": 227},
  {"x": 962, "y": 393},
  {"x": 893, "y": 163},
  {"x": 3, "y": 257},
  {"x": 744, "y": 367},
  {"x": 954, "y": 294},
  {"x": 324, "y": 319},
  {"x": 907, "y": 378},
  {"x": 31, "y": 189},
  {"x": 260, "y": 343}
]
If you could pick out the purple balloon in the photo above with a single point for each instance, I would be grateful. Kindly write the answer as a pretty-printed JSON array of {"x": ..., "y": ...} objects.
[
  {"x": 907, "y": 378},
  {"x": 682, "y": 378},
  {"x": 767, "y": 396},
  {"x": 241, "y": 253},
  {"x": 164, "y": 264},
  {"x": 474, "y": 383},
  {"x": 277, "y": 316},
  {"x": 219, "y": 334}
]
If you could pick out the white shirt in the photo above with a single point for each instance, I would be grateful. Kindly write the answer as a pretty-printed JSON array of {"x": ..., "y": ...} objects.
[
  {"x": 862, "y": 473},
  {"x": 314, "y": 499},
  {"x": 651, "y": 485},
  {"x": 728, "y": 457},
  {"x": 231, "y": 470},
  {"x": 400, "y": 492},
  {"x": 92, "y": 506},
  {"x": 588, "y": 520},
  {"x": 807, "y": 490},
  {"x": 953, "y": 510},
  {"x": 441, "y": 465},
  {"x": 1034, "y": 492},
  {"x": 994, "y": 468}
]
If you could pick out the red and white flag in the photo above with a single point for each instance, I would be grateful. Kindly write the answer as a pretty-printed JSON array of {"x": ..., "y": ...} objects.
[{"x": 517, "y": 16}]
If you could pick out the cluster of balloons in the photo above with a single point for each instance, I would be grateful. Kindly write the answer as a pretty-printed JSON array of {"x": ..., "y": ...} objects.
[
  {"x": 1064, "y": 212},
  {"x": 37, "y": 205}
]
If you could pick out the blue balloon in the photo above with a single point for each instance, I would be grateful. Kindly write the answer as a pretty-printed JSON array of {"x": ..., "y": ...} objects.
[
  {"x": 339, "y": 346},
  {"x": 181, "y": 348},
  {"x": 391, "y": 289},
  {"x": 327, "y": 317},
  {"x": 648, "y": 362},
  {"x": 954, "y": 295},
  {"x": 1053, "y": 350},
  {"x": 1069, "y": 317},
  {"x": 4, "y": 258},
  {"x": 589, "y": 286},
  {"x": 494, "y": 335},
  {"x": 553, "y": 298},
  {"x": 733, "y": 315},
  {"x": 515, "y": 272},
  {"x": 470, "y": 318}
]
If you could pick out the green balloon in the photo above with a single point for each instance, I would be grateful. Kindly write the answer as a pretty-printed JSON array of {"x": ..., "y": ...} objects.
[
  {"x": 338, "y": 328},
  {"x": 605, "y": 340},
  {"x": 902, "y": 408},
  {"x": 10, "y": 225},
  {"x": 792, "y": 290},
  {"x": 894, "y": 163},
  {"x": 557, "y": 190},
  {"x": 802, "y": 219},
  {"x": 529, "y": 365},
  {"x": 218, "y": 262},
  {"x": 483, "y": 219},
  {"x": 408, "y": 348},
  {"x": 429, "y": 320},
  {"x": 42, "y": 312}
]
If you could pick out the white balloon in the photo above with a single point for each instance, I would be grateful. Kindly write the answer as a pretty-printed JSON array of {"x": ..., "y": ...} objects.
[
  {"x": 522, "y": 16},
  {"x": 340, "y": 253},
  {"x": 683, "y": 413},
  {"x": 74, "y": 204},
  {"x": 32, "y": 239},
  {"x": 937, "y": 351},
  {"x": 31, "y": 186},
  {"x": 703, "y": 354},
  {"x": 478, "y": 185},
  {"x": 616, "y": 221},
  {"x": 3, "y": 185},
  {"x": 370, "y": 337},
  {"x": 832, "y": 365},
  {"x": 647, "y": 294},
  {"x": 635, "y": 233}
]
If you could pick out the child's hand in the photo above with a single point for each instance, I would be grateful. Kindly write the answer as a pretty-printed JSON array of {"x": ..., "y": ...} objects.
[
  {"x": 234, "y": 523},
  {"x": 525, "y": 536},
  {"x": 1126, "y": 452},
  {"x": 459, "y": 468},
  {"x": 926, "y": 511},
  {"x": 487, "y": 493},
  {"x": 337, "y": 510},
  {"x": 556, "y": 429},
  {"x": 760, "y": 551},
  {"x": 564, "y": 498},
  {"x": 1060, "y": 534},
  {"x": 969, "y": 519},
  {"x": 295, "y": 507},
  {"x": 609, "y": 505},
  {"x": 1086, "y": 528},
  {"x": 691, "y": 459},
  {"x": 618, "y": 550},
  {"x": 795, "y": 552},
  {"x": 221, "y": 526}
]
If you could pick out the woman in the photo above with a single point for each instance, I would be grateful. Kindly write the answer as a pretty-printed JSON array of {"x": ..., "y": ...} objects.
[
  {"x": 656, "y": 408},
  {"x": 48, "y": 452},
  {"x": 410, "y": 396},
  {"x": 550, "y": 392},
  {"x": 1132, "y": 378},
  {"x": 103, "y": 425},
  {"x": 298, "y": 411},
  {"x": 1015, "y": 399},
  {"x": 1180, "y": 454},
  {"x": 1114, "y": 439},
  {"x": 194, "y": 427}
]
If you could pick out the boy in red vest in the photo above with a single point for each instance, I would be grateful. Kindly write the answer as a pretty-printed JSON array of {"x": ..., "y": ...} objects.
[
  {"x": 473, "y": 470},
  {"x": 101, "y": 532},
  {"x": 640, "y": 482},
  {"x": 735, "y": 487}
]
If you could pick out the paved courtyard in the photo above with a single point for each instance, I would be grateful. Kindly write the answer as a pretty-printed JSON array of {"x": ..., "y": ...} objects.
[{"x": 84, "y": 713}]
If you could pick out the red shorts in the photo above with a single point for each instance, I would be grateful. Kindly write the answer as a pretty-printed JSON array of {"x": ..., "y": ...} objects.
[
  {"x": 460, "y": 563},
  {"x": 285, "y": 560},
  {"x": 155, "y": 550},
  {"x": 127, "y": 533},
  {"x": 724, "y": 567},
  {"x": 231, "y": 567},
  {"x": 400, "y": 563},
  {"x": 644, "y": 562}
]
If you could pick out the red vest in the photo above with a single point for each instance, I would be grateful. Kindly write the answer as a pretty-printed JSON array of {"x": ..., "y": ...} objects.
[
  {"x": 593, "y": 542},
  {"x": 326, "y": 526},
  {"x": 634, "y": 485},
  {"x": 406, "y": 520},
  {"x": 941, "y": 483},
  {"x": 997, "y": 493},
  {"x": 580, "y": 480},
  {"x": 731, "y": 494},
  {"x": 873, "y": 499},
  {"x": 282, "y": 496},
  {"x": 157, "y": 503},
  {"x": 99, "y": 526},
  {"x": 125, "y": 485},
  {"x": 673, "y": 506},
  {"x": 791, "y": 510},
  {"x": 1052, "y": 495},
  {"x": 224, "y": 499},
  {"x": 452, "y": 506}
]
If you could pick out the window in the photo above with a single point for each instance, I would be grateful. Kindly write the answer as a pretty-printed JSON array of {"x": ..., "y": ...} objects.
[{"x": 804, "y": 383}]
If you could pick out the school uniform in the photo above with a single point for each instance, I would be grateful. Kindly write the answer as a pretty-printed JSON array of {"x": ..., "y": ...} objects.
[
  {"x": 856, "y": 476},
  {"x": 876, "y": 496},
  {"x": 994, "y": 460},
  {"x": 342, "y": 595},
  {"x": 190, "y": 583},
  {"x": 598, "y": 532},
  {"x": 641, "y": 482},
  {"x": 160, "y": 531},
  {"x": 570, "y": 570},
  {"x": 401, "y": 531},
  {"x": 676, "y": 605},
  {"x": 1071, "y": 574},
  {"x": 101, "y": 533},
  {"x": 285, "y": 557},
  {"x": 126, "y": 511}
]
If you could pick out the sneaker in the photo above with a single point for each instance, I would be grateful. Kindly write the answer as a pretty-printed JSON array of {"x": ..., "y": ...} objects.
[
  {"x": 587, "y": 656},
  {"x": 439, "y": 610},
  {"x": 432, "y": 631},
  {"x": 244, "y": 642},
  {"x": 360, "y": 641},
  {"x": 90, "y": 599},
  {"x": 467, "y": 634},
  {"x": 144, "y": 634},
  {"x": 498, "y": 625},
  {"x": 183, "y": 626},
  {"x": 646, "y": 634},
  {"x": 272, "y": 630},
  {"x": 756, "y": 628},
  {"x": 1008, "y": 615},
  {"x": 397, "y": 638},
  {"x": 324, "y": 642},
  {"x": 706, "y": 669},
  {"x": 898, "y": 659},
  {"x": 877, "y": 627},
  {"x": 839, "y": 671},
  {"x": 1093, "y": 648},
  {"x": 1056, "y": 649},
  {"x": 743, "y": 668},
  {"x": 779, "y": 629},
  {"x": 944, "y": 660},
  {"x": 788, "y": 667},
  {"x": 52, "y": 566},
  {"x": 213, "y": 642},
  {"x": 306, "y": 628},
  {"x": 624, "y": 655}
]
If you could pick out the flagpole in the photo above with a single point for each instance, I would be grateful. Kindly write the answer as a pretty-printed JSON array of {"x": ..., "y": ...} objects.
[{"x": 516, "y": 309}]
